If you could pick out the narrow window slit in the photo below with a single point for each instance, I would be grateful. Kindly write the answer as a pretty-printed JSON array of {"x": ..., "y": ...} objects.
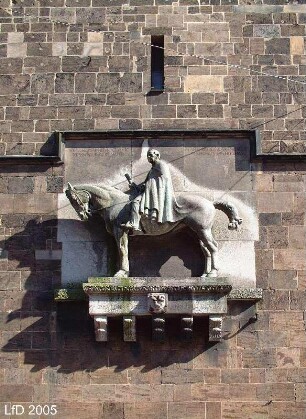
[{"x": 157, "y": 63}]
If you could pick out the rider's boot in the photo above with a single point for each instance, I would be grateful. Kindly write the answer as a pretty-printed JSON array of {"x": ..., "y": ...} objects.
[{"x": 130, "y": 226}]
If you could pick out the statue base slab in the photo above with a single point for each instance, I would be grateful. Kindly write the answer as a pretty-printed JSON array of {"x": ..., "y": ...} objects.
[
  {"x": 146, "y": 296},
  {"x": 159, "y": 298}
]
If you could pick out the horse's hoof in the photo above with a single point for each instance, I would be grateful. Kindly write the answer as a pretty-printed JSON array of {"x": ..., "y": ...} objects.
[
  {"x": 121, "y": 274},
  {"x": 233, "y": 225},
  {"x": 212, "y": 274}
]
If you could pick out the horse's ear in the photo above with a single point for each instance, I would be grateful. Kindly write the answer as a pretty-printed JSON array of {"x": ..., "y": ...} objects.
[{"x": 70, "y": 191}]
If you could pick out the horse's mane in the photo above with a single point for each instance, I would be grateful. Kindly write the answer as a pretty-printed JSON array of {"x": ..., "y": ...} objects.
[{"x": 98, "y": 189}]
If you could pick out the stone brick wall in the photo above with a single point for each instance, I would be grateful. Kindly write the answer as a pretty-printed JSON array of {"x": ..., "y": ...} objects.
[{"x": 84, "y": 65}]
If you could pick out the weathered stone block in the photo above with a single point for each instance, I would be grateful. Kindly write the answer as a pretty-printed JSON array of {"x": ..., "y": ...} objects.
[
  {"x": 40, "y": 49},
  {"x": 286, "y": 409},
  {"x": 197, "y": 83},
  {"x": 108, "y": 124},
  {"x": 297, "y": 300},
  {"x": 59, "y": 48},
  {"x": 275, "y": 391},
  {"x": 288, "y": 358},
  {"x": 98, "y": 111},
  {"x": 215, "y": 32},
  {"x": 241, "y": 111},
  {"x": 278, "y": 46},
  {"x": 119, "y": 63},
  {"x": 42, "y": 83},
  {"x": 297, "y": 46},
  {"x": 277, "y": 237},
  {"x": 108, "y": 83},
  {"x": 16, "y": 393},
  {"x": 84, "y": 64},
  {"x": 125, "y": 111},
  {"x": 282, "y": 279},
  {"x": 55, "y": 184},
  {"x": 94, "y": 37},
  {"x": 186, "y": 111},
  {"x": 43, "y": 64},
  {"x": 17, "y": 50},
  {"x": 164, "y": 111},
  {"x": 275, "y": 202},
  {"x": 95, "y": 99},
  {"x": 132, "y": 410},
  {"x": 92, "y": 49},
  {"x": 181, "y": 376},
  {"x": 85, "y": 82},
  {"x": 130, "y": 124},
  {"x": 113, "y": 410},
  {"x": 289, "y": 259},
  {"x": 266, "y": 31},
  {"x": 297, "y": 237},
  {"x": 131, "y": 83},
  {"x": 210, "y": 111},
  {"x": 106, "y": 3},
  {"x": 71, "y": 112},
  {"x": 293, "y": 30},
  {"x": 211, "y": 392},
  {"x": 15, "y": 37},
  {"x": 10, "y": 65},
  {"x": 14, "y": 84},
  {"x": 265, "y": 358},
  {"x": 6, "y": 202},
  {"x": 64, "y": 83},
  {"x": 21, "y": 185},
  {"x": 63, "y": 15},
  {"x": 90, "y": 15},
  {"x": 204, "y": 98},
  {"x": 237, "y": 84},
  {"x": 274, "y": 300}
]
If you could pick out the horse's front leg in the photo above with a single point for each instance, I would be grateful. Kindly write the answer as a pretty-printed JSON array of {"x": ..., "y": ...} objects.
[
  {"x": 122, "y": 241},
  {"x": 207, "y": 259}
]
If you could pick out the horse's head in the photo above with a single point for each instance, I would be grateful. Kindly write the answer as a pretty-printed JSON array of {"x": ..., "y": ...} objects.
[{"x": 79, "y": 199}]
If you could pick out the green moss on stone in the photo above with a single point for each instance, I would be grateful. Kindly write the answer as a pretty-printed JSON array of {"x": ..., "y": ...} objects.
[{"x": 69, "y": 294}]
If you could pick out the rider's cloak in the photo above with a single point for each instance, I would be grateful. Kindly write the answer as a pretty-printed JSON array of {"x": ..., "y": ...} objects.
[{"x": 158, "y": 194}]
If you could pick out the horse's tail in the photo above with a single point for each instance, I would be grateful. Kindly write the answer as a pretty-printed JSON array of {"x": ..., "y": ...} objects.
[{"x": 232, "y": 213}]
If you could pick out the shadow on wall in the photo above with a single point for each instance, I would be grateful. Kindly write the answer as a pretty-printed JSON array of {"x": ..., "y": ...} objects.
[
  {"x": 68, "y": 343},
  {"x": 62, "y": 336},
  {"x": 177, "y": 253}
]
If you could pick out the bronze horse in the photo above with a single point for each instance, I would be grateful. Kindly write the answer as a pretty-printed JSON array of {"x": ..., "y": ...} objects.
[{"x": 114, "y": 206}]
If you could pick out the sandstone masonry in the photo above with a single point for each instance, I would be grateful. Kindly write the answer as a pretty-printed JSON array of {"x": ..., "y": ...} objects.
[{"x": 85, "y": 65}]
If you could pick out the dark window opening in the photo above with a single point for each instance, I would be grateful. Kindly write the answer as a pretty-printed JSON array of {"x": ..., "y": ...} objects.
[{"x": 157, "y": 63}]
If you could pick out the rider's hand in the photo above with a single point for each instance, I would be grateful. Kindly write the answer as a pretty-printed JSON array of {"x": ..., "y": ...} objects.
[
  {"x": 141, "y": 187},
  {"x": 137, "y": 188}
]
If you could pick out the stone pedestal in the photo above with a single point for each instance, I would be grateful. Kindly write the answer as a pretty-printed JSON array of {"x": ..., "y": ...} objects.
[{"x": 161, "y": 298}]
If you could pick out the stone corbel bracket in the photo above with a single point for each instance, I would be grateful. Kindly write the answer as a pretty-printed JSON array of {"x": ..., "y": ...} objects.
[{"x": 161, "y": 298}]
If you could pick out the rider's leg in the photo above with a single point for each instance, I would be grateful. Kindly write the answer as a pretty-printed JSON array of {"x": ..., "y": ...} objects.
[
  {"x": 135, "y": 215},
  {"x": 133, "y": 224}
]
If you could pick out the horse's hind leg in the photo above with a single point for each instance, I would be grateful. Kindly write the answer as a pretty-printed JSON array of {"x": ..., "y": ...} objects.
[
  {"x": 209, "y": 242},
  {"x": 213, "y": 247}
]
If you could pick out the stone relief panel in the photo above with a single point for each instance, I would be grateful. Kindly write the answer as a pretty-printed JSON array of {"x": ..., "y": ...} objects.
[{"x": 212, "y": 168}]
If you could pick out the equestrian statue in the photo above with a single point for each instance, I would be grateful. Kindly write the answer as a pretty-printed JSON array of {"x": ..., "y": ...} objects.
[{"x": 152, "y": 208}]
